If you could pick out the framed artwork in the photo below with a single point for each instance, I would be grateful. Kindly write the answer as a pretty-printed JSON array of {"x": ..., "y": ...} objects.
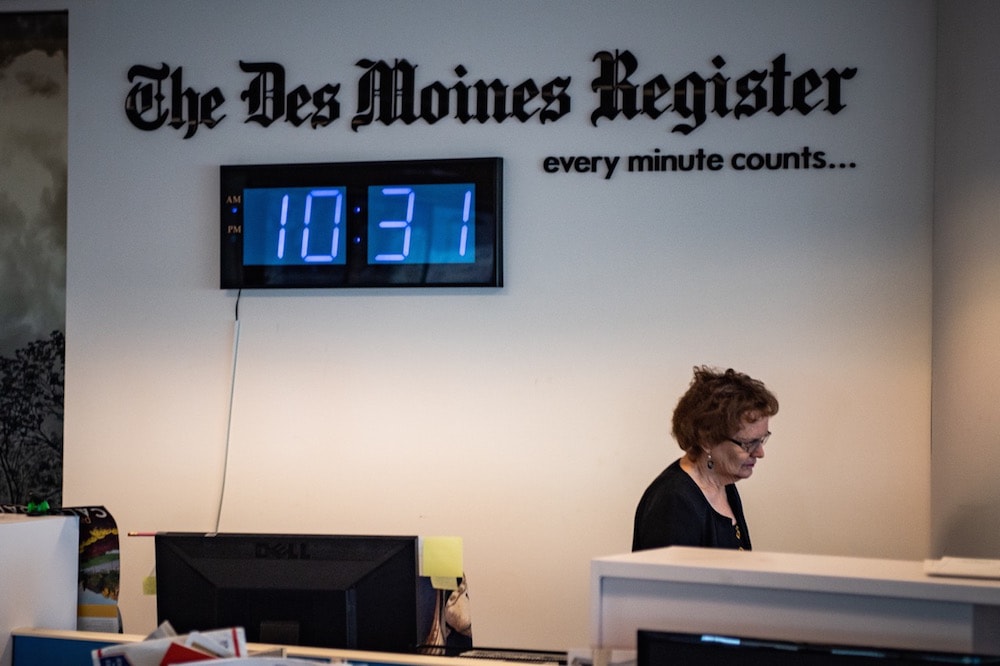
[{"x": 33, "y": 127}]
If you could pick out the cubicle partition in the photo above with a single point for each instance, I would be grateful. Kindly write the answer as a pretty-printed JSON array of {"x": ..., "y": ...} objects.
[
  {"x": 38, "y": 574},
  {"x": 824, "y": 599}
]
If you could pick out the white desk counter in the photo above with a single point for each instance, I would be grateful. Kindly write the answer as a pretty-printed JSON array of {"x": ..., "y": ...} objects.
[{"x": 860, "y": 601}]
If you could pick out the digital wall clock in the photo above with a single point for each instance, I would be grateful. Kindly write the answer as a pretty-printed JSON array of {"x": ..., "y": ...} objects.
[{"x": 415, "y": 223}]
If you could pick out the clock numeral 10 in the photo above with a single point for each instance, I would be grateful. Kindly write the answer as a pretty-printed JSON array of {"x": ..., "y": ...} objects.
[{"x": 332, "y": 198}]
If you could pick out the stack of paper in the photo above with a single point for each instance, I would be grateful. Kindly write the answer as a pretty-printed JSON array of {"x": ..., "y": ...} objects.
[
  {"x": 963, "y": 567},
  {"x": 184, "y": 649}
]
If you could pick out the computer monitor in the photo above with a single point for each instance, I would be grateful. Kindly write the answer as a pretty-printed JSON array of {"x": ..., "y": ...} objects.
[
  {"x": 663, "y": 648},
  {"x": 352, "y": 592}
]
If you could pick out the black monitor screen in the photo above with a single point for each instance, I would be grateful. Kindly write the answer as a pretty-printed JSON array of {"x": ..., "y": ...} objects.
[
  {"x": 353, "y": 592},
  {"x": 661, "y": 648}
]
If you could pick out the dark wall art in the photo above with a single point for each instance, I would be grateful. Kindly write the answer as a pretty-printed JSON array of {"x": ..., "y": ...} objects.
[{"x": 33, "y": 156}]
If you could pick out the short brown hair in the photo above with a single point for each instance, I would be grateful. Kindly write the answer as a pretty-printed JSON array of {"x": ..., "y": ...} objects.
[{"x": 716, "y": 405}]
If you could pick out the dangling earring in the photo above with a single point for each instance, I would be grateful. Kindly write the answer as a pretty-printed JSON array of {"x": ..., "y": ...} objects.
[{"x": 711, "y": 463}]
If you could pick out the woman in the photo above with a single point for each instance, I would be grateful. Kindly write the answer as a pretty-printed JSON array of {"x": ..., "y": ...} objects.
[{"x": 721, "y": 424}]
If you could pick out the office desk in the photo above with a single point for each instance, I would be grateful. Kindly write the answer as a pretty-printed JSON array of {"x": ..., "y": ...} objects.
[
  {"x": 34, "y": 647},
  {"x": 888, "y": 603}
]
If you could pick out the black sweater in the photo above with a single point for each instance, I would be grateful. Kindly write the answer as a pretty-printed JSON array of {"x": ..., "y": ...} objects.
[{"x": 674, "y": 512}]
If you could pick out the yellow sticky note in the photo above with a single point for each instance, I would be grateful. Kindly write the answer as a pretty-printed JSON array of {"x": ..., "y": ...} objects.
[
  {"x": 149, "y": 585},
  {"x": 444, "y": 583},
  {"x": 441, "y": 557}
]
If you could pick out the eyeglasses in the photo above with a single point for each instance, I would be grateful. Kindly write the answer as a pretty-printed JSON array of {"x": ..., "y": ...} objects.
[{"x": 753, "y": 445}]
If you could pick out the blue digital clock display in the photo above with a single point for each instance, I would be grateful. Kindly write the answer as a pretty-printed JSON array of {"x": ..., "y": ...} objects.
[{"x": 362, "y": 224}]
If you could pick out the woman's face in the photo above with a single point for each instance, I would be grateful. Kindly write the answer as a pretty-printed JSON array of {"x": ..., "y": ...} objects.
[{"x": 732, "y": 461}]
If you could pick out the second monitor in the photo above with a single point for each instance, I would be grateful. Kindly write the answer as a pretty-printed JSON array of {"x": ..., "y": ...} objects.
[{"x": 352, "y": 592}]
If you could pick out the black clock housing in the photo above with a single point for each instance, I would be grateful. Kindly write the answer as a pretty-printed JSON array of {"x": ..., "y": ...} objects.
[{"x": 406, "y": 223}]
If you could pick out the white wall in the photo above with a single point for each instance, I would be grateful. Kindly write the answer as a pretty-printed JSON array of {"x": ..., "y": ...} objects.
[
  {"x": 529, "y": 419},
  {"x": 966, "y": 431}
]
